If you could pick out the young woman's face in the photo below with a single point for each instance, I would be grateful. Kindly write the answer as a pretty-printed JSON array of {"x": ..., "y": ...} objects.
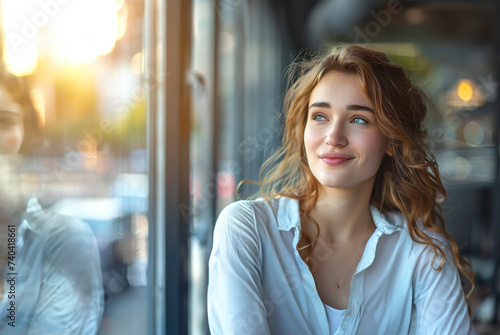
[
  {"x": 11, "y": 124},
  {"x": 343, "y": 143}
]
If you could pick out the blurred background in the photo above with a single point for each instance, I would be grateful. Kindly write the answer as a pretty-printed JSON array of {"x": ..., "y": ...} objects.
[{"x": 152, "y": 111}]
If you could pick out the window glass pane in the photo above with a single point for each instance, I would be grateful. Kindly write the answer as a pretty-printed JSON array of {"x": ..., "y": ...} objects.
[{"x": 85, "y": 157}]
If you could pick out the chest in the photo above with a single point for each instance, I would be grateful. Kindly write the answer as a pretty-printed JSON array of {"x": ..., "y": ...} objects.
[
  {"x": 290, "y": 287},
  {"x": 332, "y": 270}
]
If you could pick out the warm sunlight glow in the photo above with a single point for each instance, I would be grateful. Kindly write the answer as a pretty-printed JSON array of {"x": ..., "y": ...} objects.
[
  {"x": 75, "y": 31},
  {"x": 85, "y": 30},
  {"x": 122, "y": 19},
  {"x": 24, "y": 64},
  {"x": 39, "y": 103},
  {"x": 464, "y": 90},
  {"x": 20, "y": 39}
]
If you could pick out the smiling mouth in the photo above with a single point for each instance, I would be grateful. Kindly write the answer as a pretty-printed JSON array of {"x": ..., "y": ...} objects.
[{"x": 335, "y": 159}]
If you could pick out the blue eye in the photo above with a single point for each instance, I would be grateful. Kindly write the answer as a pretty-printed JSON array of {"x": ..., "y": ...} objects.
[
  {"x": 359, "y": 120},
  {"x": 318, "y": 117}
]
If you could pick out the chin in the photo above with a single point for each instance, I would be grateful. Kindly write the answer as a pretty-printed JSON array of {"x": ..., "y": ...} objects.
[
  {"x": 331, "y": 183},
  {"x": 345, "y": 182}
]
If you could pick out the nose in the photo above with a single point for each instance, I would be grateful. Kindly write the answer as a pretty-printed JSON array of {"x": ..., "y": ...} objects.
[{"x": 336, "y": 136}]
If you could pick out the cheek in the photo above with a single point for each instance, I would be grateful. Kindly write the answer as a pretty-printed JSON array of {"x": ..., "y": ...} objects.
[
  {"x": 374, "y": 148},
  {"x": 309, "y": 142},
  {"x": 10, "y": 140}
]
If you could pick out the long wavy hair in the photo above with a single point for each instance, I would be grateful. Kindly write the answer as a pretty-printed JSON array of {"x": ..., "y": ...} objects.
[{"x": 408, "y": 181}]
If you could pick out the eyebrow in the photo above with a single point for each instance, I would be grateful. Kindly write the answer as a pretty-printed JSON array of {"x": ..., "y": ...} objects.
[
  {"x": 359, "y": 108},
  {"x": 10, "y": 112},
  {"x": 349, "y": 107}
]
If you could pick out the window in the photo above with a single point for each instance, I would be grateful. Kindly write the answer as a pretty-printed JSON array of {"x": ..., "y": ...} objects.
[{"x": 84, "y": 64}]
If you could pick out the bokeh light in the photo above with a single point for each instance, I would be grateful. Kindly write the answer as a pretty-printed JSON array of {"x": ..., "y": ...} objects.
[
  {"x": 474, "y": 133},
  {"x": 465, "y": 90},
  {"x": 463, "y": 168},
  {"x": 137, "y": 63}
]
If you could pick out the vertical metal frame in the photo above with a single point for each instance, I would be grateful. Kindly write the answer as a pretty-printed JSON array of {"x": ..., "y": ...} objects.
[
  {"x": 213, "y": 140},
  {"x": 149, "y": 62},
  {"x": 168, "y": 48},
  {"x": 495, "y": 201}
]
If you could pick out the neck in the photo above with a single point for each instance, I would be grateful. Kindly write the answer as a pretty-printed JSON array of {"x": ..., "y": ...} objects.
[{"x": 344, "y": 213}]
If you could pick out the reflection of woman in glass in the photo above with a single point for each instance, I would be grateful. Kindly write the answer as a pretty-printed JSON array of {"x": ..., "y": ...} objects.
[
  {"x": 348, "y": 238},
  {"x": 52, "y": 278}
]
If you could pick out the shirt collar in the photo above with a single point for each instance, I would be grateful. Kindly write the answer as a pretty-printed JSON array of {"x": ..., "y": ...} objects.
[
  {"x": 386, "y": 223},
  {"x": 35, "y": 216},
  {"x": 288, "y": 217},
  {"x": 288, "y": 213}
]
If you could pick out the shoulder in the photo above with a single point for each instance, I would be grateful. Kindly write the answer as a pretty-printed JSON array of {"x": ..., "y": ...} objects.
[
  {"x": 423, "y": 255},
  {"x": 428, "y": 252},
  {"x": 241, "y": 209},
  {"x": 251, "y": 211},
  {"x": 242, "y": 217},
  {"x": 276, "y": 212},
  {"x": 391, "y": 222},
  {"x": 250, "y": 221},
  {"x": 56, "y": 230},
  {"x": 395, "y": 221}
]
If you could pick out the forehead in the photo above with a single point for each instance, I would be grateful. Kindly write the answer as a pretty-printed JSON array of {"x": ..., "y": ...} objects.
[{"x": 339, "y": 87}]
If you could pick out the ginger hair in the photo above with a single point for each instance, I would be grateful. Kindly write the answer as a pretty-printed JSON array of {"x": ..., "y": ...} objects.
[{"x": 408, "y": 181}]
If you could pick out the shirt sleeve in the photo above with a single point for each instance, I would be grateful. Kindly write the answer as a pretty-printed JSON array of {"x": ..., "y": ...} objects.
[
  {"x": 71, "y": 294},
  {"x": 439, "y": 305},
  {"x": 235, "y": 298}
]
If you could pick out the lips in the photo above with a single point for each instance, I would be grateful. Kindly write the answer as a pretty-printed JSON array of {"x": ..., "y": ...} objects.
[{"x": 335, "y": 159}]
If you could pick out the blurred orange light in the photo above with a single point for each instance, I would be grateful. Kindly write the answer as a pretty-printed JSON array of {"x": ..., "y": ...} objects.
[{"x": 465, "y": 90}]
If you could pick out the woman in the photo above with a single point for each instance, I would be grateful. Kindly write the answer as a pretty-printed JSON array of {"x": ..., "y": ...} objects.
[
  {"x": 51, "y": 281},
  {"x": 349, "y": 237}
]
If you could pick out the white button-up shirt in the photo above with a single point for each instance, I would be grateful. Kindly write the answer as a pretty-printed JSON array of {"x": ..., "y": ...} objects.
[
  {"x": 58, "y": 282},
  {"x": 259, "y": 284}
]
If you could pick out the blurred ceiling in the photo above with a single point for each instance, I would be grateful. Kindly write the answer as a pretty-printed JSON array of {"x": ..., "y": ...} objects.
[{"x": 311, "y": 23}]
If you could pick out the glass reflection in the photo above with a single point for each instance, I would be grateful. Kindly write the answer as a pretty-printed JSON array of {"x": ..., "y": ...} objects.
[{"x": 52, "y": 280}]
